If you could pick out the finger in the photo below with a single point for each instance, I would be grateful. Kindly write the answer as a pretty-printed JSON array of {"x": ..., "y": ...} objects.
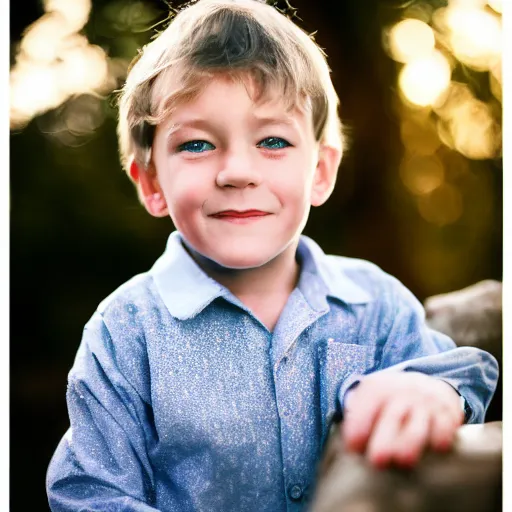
[
  {"x": 413, "y": 437},
  {"x": 360, "y": 418},
  {"x": 444, "y": 427},
  {"x": 386, "y": 434},
  {"x": 448, "y": 397}
]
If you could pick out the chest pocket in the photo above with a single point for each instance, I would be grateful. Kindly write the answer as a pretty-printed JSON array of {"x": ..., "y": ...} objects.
[{"x": 337, "y": 362}]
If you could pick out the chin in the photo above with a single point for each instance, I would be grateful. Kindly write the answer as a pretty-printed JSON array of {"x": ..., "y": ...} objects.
[
  {"x": 242, "y": 254},
  {"x": 246, "y": 254},
  {"x": 240, "y": 260}
]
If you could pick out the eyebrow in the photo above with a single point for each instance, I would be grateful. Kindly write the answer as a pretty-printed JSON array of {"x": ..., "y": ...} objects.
[
  {"x": 262, "y": 121},
  {"x": 204, "y": 124},
  {"x": 201, "y": 124}
]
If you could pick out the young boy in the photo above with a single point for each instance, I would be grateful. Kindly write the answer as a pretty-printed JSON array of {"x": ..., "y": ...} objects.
[{"x": 209, "y": 383}]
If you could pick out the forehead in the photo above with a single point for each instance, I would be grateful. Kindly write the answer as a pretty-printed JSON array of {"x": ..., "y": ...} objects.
[{"x": 237, "y": 96}]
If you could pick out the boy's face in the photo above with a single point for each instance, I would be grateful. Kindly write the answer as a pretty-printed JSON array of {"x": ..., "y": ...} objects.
[{"x": 237, "y": 177}]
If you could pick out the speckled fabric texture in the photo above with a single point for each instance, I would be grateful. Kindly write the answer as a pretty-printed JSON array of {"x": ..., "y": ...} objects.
[{"x": 180, "y": 400}]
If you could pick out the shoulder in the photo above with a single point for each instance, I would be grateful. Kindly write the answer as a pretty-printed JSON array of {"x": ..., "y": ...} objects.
[
  {"x": 386, "y": 296},
  {"x": 130, "y": 309},
  {"x": 358, "y": 269},
  {"x": 116, "y": 334},
  {"x": 113, "y": 351},
  {"x": 378, "y": 284},
  {"x": 137, "y": 292}
]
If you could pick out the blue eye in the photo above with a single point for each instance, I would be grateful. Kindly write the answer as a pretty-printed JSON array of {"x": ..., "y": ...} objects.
[
  {"x": 196, "y": 146},
  {"x": 273, "y": 143}
]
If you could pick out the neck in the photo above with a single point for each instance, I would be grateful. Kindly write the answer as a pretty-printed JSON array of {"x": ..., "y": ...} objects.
[{"x": 265, "y": 289}]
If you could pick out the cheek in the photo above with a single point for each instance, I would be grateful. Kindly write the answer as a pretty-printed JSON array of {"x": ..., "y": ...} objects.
[
  {"x": 292, "y": 184},
  {"x": 184, "y": 191}
]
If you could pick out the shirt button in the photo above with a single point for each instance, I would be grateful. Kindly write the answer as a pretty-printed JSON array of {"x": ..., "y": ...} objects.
[{"x": 295, "y": 492}]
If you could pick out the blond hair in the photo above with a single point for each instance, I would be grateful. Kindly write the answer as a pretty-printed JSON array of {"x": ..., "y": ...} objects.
[{"x": 233, "y": 37}]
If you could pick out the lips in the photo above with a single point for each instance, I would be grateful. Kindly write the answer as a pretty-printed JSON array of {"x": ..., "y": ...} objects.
[
  {"x": 240, "y": 216},
  {"x": 245, "y": 214}
]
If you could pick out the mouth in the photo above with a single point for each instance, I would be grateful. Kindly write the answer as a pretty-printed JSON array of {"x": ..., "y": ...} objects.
[{"x": 240, "y": 215}]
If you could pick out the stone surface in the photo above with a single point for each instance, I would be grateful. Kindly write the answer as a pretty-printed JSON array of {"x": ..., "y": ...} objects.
[{"x": 467, "y": 479}]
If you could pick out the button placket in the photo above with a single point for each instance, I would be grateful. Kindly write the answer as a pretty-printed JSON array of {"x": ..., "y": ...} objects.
[{"x": 295, "y": 491}]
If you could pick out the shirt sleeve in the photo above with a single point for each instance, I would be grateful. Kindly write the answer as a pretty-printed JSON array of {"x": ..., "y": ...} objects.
[
  {"x": 408, "y": 344},
  {"x": 102, "y": 461}
]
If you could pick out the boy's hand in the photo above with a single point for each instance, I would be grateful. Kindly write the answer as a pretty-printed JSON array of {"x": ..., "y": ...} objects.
[{"x": 394, "y": 416}]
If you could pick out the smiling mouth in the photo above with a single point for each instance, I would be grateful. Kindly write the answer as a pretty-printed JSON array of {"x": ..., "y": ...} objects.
[{"x": 237, "y": 215}]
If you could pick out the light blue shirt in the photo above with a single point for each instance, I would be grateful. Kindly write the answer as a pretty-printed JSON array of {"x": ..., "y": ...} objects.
[{"x": 181, "y": 400}]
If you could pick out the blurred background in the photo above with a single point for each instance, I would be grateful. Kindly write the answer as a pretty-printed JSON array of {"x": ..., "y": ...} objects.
[{"x": 419, "y": 190}]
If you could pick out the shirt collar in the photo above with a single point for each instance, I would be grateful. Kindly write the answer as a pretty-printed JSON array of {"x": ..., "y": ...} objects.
[
  {"x": 186, "y": 289},
  {"x": 332, "y": 278}
]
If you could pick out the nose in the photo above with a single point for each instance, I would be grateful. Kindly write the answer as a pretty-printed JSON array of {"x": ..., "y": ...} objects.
[{"x": 238, "y": 171}]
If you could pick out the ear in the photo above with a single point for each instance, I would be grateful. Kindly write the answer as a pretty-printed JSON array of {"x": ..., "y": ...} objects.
[
  {"x": 149, "y": 189},
  {"x": 329, "y": 159}
]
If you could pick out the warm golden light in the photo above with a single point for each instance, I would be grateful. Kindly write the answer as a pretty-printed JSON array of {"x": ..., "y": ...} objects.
[
  {"x": 75, "y": 12},
  {"x": 34, "y": 89},
  {"x": 475, "y": 132},
  {"x": 423, "y": 80},
  {"x": 421, "y": 174},
  {"x": 442, "y": 206},
  {"x": 478, "y": 4},
  {"x": 419, "y": 137},
  {"x": 411, "y": 39},
  {"x": 475, "y": 36},
  {"x": 456, "y": 95},
  {"x": 44, "y": 37},
  {"x": 55, "y": 62},
  {"x": 83, "y": 69},
  {"x": 495, "y": 79},
  {"x": 468, "y": 124},
  {"x": 496, "y": 5},
  {"x": 457, "y": 124}
]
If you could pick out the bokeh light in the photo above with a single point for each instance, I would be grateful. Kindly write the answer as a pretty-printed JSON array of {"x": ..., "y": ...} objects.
[
  {"x": 43, "y": 38},
  {"x": 468, "y": 4},
  {"x": 459, "y": 110},
  {"x": 75, "y": 13},
  {"x": 75, "y": 122},
  {"x": 55, "y": 49},
  {"x": 422, "y": 174},
  {"x": 475, "y": 35},
  {"x": 84, "y": 68},
  {"x": 55, "y": 62},
  {"x": 497, "y": 5},
  {"x": 442, "y": 206},
  {"x": 423, "y": 80},
  {"x": 495, "y": 80},
  {"x": 410, "y": 39},
  {"x": 34, "y": 88},
  {"x": 83, "y": 115},
  {"x": 468, "y": 124},
  {"x": 449, "y": 109},
  {"x": 419, "y": 136}
]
